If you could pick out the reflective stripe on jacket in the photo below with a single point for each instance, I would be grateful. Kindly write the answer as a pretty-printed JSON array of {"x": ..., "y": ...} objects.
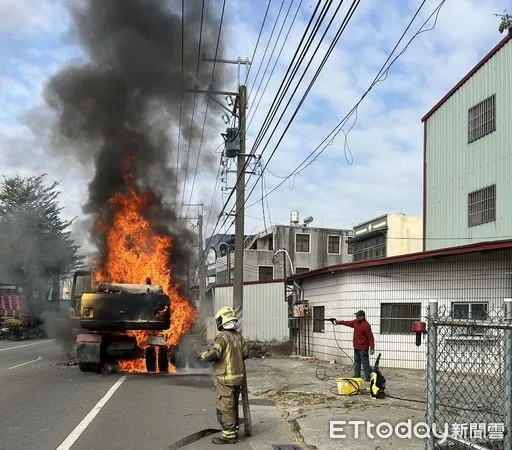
[{"x": 231, "y": 349}]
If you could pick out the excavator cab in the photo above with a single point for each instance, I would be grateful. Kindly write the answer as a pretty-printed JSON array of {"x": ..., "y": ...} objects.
[{"x": 82, "y": 283}]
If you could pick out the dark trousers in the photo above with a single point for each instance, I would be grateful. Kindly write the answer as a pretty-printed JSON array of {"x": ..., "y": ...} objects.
[
  {"x": 361, "y": 357},
  {"x": 227, "y": 409}
]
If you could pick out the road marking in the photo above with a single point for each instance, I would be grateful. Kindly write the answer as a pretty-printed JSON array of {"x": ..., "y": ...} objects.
[
  {"x": 80, "y": 428},
  {"x": 39, "y": 358},
  {"x": 26, "y": 345}
]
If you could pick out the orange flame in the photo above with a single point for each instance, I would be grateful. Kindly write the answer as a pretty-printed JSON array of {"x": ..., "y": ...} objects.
[
  {"x": 137, "y": 365},
  {"x": 136, "y": 251}
]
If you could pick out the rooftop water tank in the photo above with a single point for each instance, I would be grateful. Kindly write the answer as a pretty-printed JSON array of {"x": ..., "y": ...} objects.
[{"x": 294, "y": 218}]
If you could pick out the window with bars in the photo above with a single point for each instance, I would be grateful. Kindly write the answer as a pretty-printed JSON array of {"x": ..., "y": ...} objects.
[
  {"x": 482, "y": 206},
  {"x": 301, "y": 269},
  {"x": 333, "y": 245},
  {"x": 318, "y": 319},
  {"x": 482, "y": 119},
  {"x": 469, "y": 312},
  {"x": 302, "y": 243},
  {"x": 265, "y": 273},
  {"x": 397, "y": 318}
]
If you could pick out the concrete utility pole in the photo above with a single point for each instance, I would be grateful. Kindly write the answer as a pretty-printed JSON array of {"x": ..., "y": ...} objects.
[
  {"x": 238, "y": 276},
  {"x": 238, "y": 282},
  {"x": 201, "y": 256}
]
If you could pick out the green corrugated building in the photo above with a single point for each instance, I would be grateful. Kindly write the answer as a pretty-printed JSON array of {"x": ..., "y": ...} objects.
[{"x": 468, "y": 157}]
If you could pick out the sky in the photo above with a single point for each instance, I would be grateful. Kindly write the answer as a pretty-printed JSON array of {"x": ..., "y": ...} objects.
[{"x": 373, "y": 167}]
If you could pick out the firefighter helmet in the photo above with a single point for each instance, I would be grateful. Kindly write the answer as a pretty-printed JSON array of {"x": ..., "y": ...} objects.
[{"x": 225, "y": 315}]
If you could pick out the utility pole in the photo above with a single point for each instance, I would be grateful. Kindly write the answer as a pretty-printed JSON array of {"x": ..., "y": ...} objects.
[
  {"x": 201, "y": 256},
  {"x": 238, "y": 281},
  {"x": 238, "y": 278}
]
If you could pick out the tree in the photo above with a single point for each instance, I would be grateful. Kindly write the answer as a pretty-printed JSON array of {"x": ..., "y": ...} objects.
[
  {"x": 506, "y": 23},
  {"x": 35, "y": 243}
]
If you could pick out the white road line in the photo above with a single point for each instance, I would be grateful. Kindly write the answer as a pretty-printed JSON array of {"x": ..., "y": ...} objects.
[
  {"x": 26, "y": 345},
  {"x": 80, "y": 428},
  {"x": 39, "y": 358}
]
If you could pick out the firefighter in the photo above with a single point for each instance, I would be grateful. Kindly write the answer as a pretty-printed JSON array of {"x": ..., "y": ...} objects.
[{"x": 229, "y": 351}]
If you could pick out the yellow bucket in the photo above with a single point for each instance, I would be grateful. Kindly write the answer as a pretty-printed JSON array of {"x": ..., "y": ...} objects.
[{"x": 349, "y": 386}]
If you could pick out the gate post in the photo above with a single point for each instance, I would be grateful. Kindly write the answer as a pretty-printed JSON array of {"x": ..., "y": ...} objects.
[
  {"x": 431, "y": 370},
  {"x": 507, "y": 338}
]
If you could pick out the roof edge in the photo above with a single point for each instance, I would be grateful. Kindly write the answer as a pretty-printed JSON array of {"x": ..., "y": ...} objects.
[
  {"x": 466, "y": 77},
  {"x": 410, "y": 257},
  {"x": 247, "y": 283}
]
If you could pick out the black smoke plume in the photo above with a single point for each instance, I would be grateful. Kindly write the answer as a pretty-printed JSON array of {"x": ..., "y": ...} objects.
[{"x": 124, "y": 99}]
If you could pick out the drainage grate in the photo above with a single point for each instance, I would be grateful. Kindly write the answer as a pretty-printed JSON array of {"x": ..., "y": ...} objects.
[{"x": 285, "y": 447}]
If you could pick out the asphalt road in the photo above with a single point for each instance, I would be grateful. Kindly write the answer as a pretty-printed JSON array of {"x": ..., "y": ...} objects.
[{"x": 45, "y": 404}]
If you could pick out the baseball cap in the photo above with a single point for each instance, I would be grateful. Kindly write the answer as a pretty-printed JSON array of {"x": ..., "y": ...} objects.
[{"x": 360, "y": 313}]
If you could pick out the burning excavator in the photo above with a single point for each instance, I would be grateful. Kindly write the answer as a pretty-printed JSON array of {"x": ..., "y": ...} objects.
[
  {"x": 122, "y": 325},
  {"x": 122, "y": 308}
]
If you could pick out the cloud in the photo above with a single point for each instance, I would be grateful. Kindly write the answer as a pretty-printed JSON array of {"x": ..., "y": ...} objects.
[
  {"x": 377, "y": 170},
  {"x": 29, "y": 17}
]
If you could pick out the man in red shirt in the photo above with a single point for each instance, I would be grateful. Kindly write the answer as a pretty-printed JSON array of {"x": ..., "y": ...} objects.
[{"x": 363, "y": 342}]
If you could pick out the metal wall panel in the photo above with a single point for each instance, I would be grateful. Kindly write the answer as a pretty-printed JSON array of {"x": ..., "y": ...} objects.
[
  {"x": 265, "y": 313},
  {"x": 456, "y": 168}
]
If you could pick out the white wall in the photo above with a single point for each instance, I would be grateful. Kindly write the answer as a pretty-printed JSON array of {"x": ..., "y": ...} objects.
[{"x": 475, "y": 277}]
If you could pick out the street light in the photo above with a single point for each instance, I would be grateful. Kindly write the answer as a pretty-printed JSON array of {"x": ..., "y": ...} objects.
[{"x": 228, "y": 262}]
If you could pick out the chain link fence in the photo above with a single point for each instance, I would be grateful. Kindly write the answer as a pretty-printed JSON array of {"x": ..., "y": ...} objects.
[{"x": 469, "y": 376}]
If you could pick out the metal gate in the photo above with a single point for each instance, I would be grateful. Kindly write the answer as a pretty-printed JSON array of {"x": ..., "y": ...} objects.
[{"x": 469, "y": 377}]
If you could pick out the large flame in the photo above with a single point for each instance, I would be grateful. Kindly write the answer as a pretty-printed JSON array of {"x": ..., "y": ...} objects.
[{"x": 135, "y": 251}]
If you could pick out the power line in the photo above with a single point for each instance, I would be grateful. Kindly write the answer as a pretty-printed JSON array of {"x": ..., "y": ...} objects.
[
  {"x": 218, "y": 38},
  {"x": 273, "y": 48},
  {"x": 263, "y": 203},
  {"x": 294, "y": 67},
  {"x": 194, "y": 106},
  {"x": 181, "y": 98},
  {"x": 263, "y": 131},
  {"x": 375, "y": 81},
  {"x": 188, "y": 151},
  {"x": 314, "y": 31},
  {"x": 199, "y": 151},
  {"x": 215, "y": 190},
  {"x": 284, "y": 81},
  {"x": 274, "y": 67},
  {"x": 340, "y": 31},
  {"x": 207, "y": 99},
  {"x": 266, "y": 48},
  {"x": 338, "y": 128},
  {"x": 258, "y": 40},
  {"x": 266, "y": 198},
  {"x": 200, "y": 42}
]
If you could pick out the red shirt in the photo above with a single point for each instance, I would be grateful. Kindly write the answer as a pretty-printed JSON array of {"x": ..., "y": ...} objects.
[{"x": 363, "y": 336}]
